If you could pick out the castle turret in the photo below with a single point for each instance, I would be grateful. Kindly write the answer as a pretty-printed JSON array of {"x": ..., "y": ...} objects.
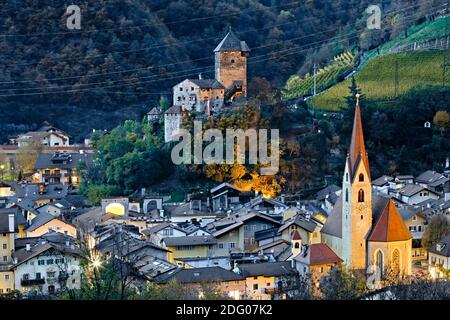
[{"x": 231, "y": 64}]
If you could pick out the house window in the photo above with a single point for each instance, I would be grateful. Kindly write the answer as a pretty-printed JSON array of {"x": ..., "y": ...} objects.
[
  {"x": 361, "y": 195},
  {"x": 5, "y": 246},
  {"x": 38, "y": 275},
  {"x": 6, "y": 277},
  {"x": 361, "y": 177},
  {"x": 414, "y": 217},
  {"x": 41, "y": 262},
  {"x": 5, "y": 258},
  {"x": 50, "y": 261},
  {"x": 220, "y": 245},
  {"x": 419, "y": 228},
  {"x": 26, "y": 276},
  {"x": 232, "y": 245}
]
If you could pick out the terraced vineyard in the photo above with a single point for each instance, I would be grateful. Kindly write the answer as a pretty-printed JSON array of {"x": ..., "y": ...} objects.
[
  {"x": 326, "y": 77},
  {"x": 377, "y": 78}
]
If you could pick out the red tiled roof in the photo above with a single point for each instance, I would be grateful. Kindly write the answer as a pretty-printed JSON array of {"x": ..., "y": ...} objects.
[
  {"x": 357, "y": 147},
  {"x": 389, "y": 226},
  {"x": 321, "y": 253},
  {"x": 296, "y": 235}
]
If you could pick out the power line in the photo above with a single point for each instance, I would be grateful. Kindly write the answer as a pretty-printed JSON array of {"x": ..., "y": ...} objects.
[
  {"x": 160, "y": 66},
  {"x": 88, "y": 89}
]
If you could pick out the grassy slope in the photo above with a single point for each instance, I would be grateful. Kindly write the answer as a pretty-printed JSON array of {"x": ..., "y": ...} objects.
[{"x": 377, "y": 77}]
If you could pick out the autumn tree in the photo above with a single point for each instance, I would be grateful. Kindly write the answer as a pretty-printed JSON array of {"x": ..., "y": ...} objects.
[
  {"x": 442, "y": 120},
  {"x": 27, "y": 155},
  {"x": 438, "y": 228}
]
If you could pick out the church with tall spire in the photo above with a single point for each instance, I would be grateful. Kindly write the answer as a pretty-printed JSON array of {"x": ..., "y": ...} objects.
[{"x": 364, "y": 228}]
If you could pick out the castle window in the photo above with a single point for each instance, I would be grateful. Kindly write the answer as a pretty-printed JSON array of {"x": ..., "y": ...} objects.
[
  {"x": 361, "y": 177},
  {"x": 361, "y": 195}
]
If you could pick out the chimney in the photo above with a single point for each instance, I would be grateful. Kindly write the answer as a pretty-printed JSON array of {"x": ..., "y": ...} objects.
[
  {"x": 200, "y": 76},
  {"x": 28, "y": 247},
  {"x": 11, "y": 222}
]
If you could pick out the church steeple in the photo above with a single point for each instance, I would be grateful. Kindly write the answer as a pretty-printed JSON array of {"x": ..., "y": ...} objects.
[{"x": 357, "y": 151}]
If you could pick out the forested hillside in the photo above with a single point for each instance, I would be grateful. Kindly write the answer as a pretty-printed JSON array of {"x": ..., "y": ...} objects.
[{"x": 130, "y": 52}]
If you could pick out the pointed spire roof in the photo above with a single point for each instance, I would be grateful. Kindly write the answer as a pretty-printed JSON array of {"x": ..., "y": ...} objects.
[
  {"x": 296, "y": 235},
  {"x": 389, "y": 226},
  {"x": 357, "y": 152},
  {"x": 232, "y": 43}
]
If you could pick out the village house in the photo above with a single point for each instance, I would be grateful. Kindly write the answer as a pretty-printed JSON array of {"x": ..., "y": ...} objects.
[
  {"x": 191, "y": 247},
  {"x": 269, "y": 280},
  {"x": 237, "y": 232},
  {"x": 416, "y": 222},
  {"x": 45, "y": 222},
  {"x": 46, "y": 136},
  {"x": 439, "y": 259},
  {"x": 60, "y": 167},
  {"x": 313, "y": 261},
  {"x": 414, "y": 194},
  {"x": 157, "y": 233},
  {"x": 8, "y": 229},
  {"x": 47, "y": 267},
  {"x": 229, "y": 283},
  {"x": 434, "y": 181}
]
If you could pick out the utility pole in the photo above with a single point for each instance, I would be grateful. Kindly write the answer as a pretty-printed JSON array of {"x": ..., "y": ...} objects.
[
  {"x": 315, "y": 79},
  {"x": 397, "y": 80}
]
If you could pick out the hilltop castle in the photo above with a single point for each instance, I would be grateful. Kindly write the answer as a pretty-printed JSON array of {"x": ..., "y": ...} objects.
[
  {"x": 209, "y": 96},
  {"x": 365, "y": 229}
]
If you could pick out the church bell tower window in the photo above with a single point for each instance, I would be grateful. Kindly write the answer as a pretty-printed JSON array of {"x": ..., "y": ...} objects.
[{"x": 361, "y": 195}]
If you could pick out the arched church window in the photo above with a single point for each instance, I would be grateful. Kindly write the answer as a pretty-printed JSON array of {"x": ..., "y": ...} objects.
[
  {"x": 379, "y": 261},
  {"x": 361, "y": 177},
  {"x": 396, "y": 261},
  {"x": 361, "y": 195},
  {"x": 297, "y": 245},
  {"x": 346, "y": 195}
]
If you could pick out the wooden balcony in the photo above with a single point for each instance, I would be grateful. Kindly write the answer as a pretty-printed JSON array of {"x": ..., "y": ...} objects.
[{"x": 32, "y": 282}]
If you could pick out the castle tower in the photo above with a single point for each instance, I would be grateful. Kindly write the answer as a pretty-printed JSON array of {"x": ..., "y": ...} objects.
[
  {"x": 357, "y": 199},
  {"x": 231, "y": 64}
]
